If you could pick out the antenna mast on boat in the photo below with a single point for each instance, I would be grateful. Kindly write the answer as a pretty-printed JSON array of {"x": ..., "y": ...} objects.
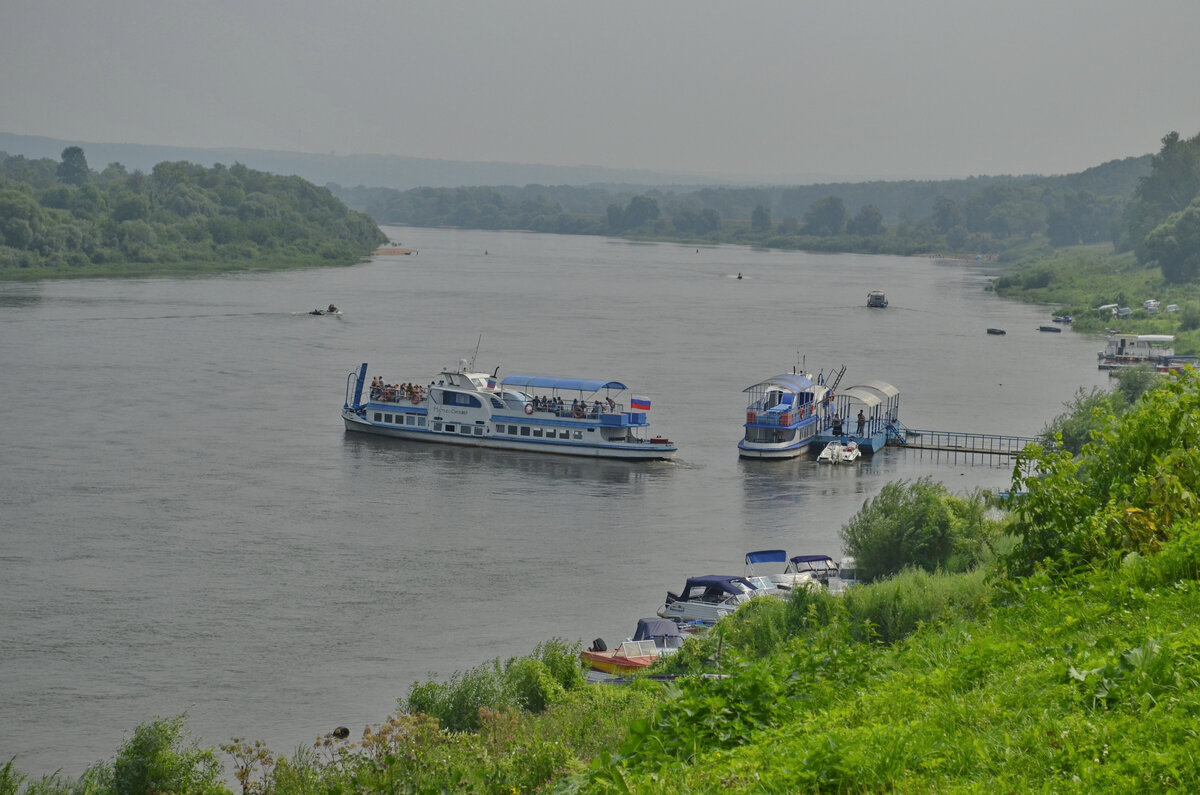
[{"x": 476, "y": 353}]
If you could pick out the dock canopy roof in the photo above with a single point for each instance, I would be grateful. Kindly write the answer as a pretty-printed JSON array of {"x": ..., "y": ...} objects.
[
  {"x": 554, "y": 382},
  {"x": 766, "y": 556},
  {"x": 792, "y": 381}
]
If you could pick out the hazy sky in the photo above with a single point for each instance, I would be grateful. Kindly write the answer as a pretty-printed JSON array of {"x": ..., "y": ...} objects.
[{"x": 753, "y": 90}]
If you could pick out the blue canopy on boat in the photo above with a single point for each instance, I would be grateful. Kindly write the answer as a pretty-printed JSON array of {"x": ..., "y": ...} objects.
[
  {"x": 651, "y": 628},
  {"x": 766, "y": 556},
  {"x": 811, "y": 559},
  {"x": 722, "y": 582},
  {"x": 554, "y": 382}
]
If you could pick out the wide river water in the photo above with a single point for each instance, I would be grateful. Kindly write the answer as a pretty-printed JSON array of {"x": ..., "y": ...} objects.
[{"x": 187, "y": 528}]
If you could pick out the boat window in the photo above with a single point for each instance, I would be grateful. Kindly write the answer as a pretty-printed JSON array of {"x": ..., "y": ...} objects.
[
  {"x": 462, "y": 399},
  {"x": 524, "y": 430},
  {"x": 387, "y": 418},
  {"x": 537, "y": 431},
  {"x": 465, "y": 430},
  {"x": 497, "y": 404},
  {"x": 478, "y": 431},
  {"x": 437, "y": 426},
  {"x": 420, "y": 421},
  {"x": 379, "y": 416},
  {"x": 449, "y": 428},
  {"x": 577, "y": 435}
]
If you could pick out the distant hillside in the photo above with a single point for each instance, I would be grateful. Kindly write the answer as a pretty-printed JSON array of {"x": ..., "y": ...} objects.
[{"x": 388, "y": 171}]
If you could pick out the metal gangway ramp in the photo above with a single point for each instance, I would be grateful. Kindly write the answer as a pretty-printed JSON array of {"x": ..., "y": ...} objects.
[{"x": 961, "y": 442}]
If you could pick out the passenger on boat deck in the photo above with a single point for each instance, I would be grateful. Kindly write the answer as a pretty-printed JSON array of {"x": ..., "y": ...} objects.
[
  {"x": 837, "y": 424},
  {"x": 612, "y": 404},
  {"x": 862, "y": 421}
]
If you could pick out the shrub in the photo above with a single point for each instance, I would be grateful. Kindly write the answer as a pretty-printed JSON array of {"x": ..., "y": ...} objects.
[{"x": 918, "y": 524}]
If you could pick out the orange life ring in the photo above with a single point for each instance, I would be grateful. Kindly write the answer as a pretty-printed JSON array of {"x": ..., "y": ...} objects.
[
  {"x": 578, "y": 411},
  {"x": 528, "y": 408},
  {"x": 416, "y": 397}
]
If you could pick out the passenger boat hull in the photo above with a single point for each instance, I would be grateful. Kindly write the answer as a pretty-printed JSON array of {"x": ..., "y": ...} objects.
[
  {"x": 472, "y": 410},
  {"x": 646, "y": 451}
]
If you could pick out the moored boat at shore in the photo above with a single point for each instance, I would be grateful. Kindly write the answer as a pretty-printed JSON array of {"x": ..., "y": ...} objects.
[
  {"x": 1129, "y": 350},
  {"x": 567, "y": 416},
  {"x": 654, "y": 638},
  {"x": 783, "y": 415}
]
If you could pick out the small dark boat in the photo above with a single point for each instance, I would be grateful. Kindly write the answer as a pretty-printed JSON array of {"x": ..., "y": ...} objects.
[
  {"x": 996, "y": 331},
  {"x": 1055, "y": 329},
  {"x": 1063, "y": 319}
]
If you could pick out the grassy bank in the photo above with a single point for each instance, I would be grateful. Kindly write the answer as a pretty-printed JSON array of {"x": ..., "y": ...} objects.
[{"x": 1076, "y": 281}]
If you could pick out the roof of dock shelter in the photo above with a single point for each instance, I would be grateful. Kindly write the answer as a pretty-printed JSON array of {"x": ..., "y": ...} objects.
[
  {"x": 554, "y": 382},
  {"x": 861, "y": 394},
  {"x": 882, "y": 387}
]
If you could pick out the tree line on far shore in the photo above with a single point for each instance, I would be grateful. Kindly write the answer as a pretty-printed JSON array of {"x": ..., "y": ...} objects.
[{"x": 64, "y": 218}]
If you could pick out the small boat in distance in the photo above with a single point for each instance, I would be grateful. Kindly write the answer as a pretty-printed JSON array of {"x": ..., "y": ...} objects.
[
  {"x": 329, "y": 310},
  {"x": 1063, "y": 319},
  {"x": 877, "y": 299},
  {"x": 996, "y": 331},
  {"x": 521, "y": 412},
  {"x": 1054, "y": 329}
]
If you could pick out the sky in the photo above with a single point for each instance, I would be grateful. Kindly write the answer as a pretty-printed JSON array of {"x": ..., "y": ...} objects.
[{"x": 756, "y": 90}]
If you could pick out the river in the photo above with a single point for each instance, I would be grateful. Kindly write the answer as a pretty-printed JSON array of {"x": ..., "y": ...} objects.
[{"x": 188, "y": 529}]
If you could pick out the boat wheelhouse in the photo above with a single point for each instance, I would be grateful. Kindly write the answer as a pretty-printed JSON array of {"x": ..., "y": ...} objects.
[
  {"x": 783, "y": 415},
  {"x": 1128, "y": 350},
  {"x": 568, "y": 416}
]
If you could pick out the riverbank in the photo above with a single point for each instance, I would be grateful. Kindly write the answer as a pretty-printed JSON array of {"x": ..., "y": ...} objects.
[{"x": 1078, "y": 281}]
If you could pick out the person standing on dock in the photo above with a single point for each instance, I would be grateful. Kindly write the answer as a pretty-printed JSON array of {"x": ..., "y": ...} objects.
[{"x": 862, "y": 421}]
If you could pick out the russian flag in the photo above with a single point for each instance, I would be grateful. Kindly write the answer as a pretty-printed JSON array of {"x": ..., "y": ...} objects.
[
  {"x": 491, "y": 382},
  {"x": 639, "y": 402}
]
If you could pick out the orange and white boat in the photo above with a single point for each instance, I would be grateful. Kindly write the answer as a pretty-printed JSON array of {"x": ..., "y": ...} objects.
[{"x": 655, "y": 637}]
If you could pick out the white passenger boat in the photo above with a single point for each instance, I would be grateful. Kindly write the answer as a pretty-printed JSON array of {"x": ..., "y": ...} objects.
[
  {"x": 782, "y": 416},
  {"x": 1129, "y": 350},
  {"x": 568, "y": 416}
]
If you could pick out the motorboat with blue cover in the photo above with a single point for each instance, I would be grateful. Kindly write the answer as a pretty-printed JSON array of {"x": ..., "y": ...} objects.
[
  {"x": 707, "y": 598},
  {"x": 783, "y": 415},
  {"x": 568, "y": 416}
]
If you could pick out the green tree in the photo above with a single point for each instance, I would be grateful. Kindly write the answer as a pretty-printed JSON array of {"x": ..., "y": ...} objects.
[
  {"x": 639, "y": 211},
  {"x": 868, "y": 221},
  {"x": 826, "y": 216},
  {"x": 73, "y": 169},
  {"x": 1175, "y": 245},
  {"x": 946, "y": 214},
  {"x": 760, "y": 219},
  {"x": 918, "y": 524}
]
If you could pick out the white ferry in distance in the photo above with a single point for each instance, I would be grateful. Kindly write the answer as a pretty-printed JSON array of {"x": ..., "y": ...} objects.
[{"x": 567, "y": 416}]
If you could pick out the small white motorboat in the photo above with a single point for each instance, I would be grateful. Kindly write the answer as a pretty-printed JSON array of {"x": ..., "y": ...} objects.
[{"x": 838, "y": 453}]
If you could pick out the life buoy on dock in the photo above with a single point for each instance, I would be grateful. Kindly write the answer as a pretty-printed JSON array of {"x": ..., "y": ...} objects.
[
  {"x": 528, "y": 408},
  {"x": 578, "y": 411}
]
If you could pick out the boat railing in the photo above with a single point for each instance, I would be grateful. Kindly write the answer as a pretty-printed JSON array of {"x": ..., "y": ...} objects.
[
  {"x": 779, "y": 418},
  {"x": 579, "y": 411}
]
